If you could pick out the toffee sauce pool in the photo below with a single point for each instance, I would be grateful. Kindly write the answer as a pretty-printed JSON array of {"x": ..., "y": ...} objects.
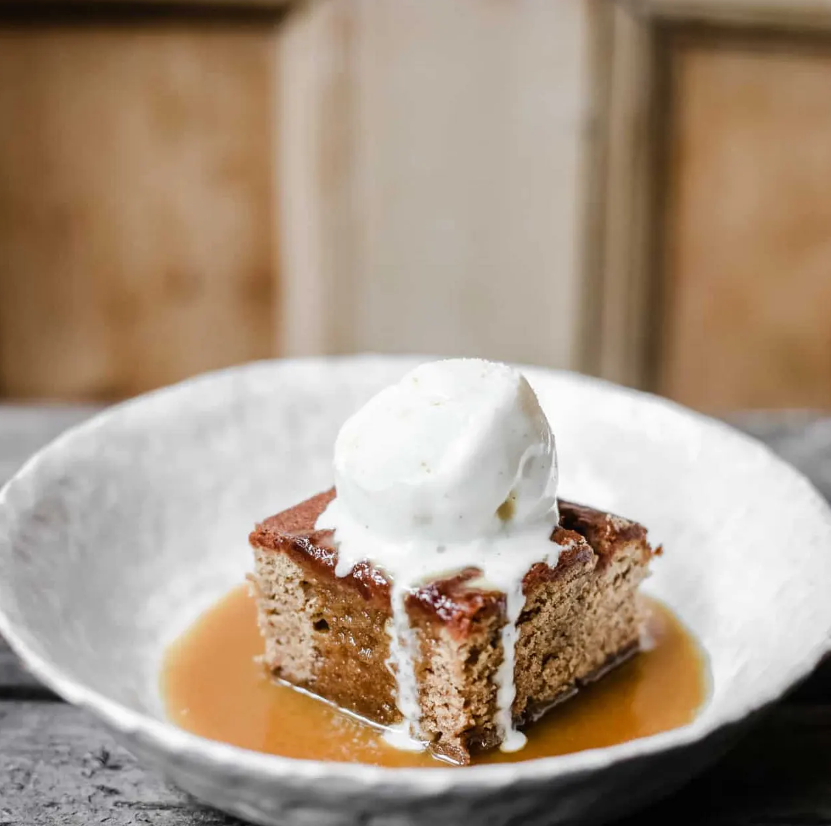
[{"x": 214, "y": 686}]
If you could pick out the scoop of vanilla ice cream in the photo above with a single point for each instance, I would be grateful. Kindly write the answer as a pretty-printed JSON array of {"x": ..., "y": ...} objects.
[{"x": 457, "y": 450}]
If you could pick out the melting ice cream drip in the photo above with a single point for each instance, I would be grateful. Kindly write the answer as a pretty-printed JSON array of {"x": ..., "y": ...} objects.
[
  {"x": 512, "y": 740},
  {"x": 403, "y": 647},
  {"x": 454, "y": 467}
]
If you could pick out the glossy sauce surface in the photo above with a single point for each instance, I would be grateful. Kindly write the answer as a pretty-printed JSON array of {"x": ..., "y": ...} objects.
[{"x": 214, "y": 686}]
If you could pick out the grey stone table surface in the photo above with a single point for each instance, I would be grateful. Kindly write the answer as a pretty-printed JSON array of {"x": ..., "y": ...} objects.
[{"x": 59, "y": 766}]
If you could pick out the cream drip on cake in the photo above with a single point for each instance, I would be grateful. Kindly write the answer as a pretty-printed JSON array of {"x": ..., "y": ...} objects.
[{"x": 454, "y": 467}]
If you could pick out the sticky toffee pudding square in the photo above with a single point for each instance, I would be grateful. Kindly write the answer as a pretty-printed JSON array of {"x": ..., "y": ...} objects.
[{"x": 330, "y": 634}]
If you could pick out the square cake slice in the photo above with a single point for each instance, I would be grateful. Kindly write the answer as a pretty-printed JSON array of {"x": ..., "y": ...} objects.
[{"x": 330, "y": 634}]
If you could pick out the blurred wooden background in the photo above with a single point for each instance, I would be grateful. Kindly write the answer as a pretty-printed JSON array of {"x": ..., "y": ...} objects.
[
  {"x": 640, "y": 190},
  {"x": 136, "y": 228},
  {"x": 747, "y": 258}
]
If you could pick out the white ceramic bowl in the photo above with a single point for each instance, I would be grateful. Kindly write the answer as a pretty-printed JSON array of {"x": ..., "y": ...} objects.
[{"x": 119, "y": 533}]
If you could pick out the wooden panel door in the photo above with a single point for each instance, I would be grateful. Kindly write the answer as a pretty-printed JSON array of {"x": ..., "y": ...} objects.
[
  {"x": 435, "y": 161},
  {"x": 136, "y": 229},
  {"x": 746, "y": 274}
]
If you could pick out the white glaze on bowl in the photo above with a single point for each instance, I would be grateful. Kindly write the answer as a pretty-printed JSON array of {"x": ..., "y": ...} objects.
[{"x": 118, "y": 534}]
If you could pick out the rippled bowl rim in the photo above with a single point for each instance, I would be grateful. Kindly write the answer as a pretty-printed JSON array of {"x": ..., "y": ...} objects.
[{"x": 413, "y": 782}]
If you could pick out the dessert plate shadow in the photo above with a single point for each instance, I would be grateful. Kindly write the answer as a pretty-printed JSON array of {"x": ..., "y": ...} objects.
[{"x": 118, "y": 534}]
